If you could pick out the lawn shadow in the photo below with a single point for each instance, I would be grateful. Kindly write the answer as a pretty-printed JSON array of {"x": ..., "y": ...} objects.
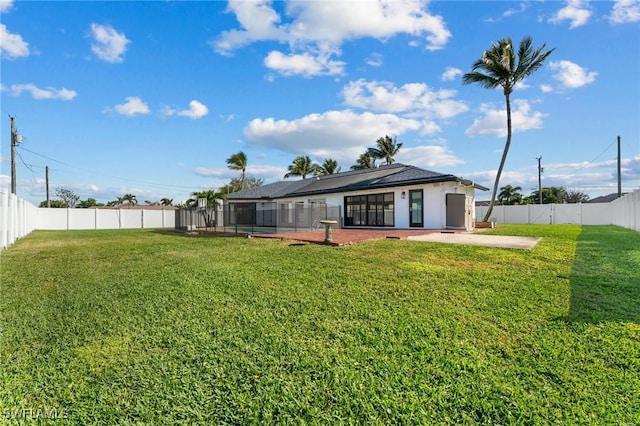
[{"x": 605, "y": 277}]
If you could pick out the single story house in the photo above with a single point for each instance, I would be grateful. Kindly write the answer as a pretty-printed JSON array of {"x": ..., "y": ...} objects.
[{"x": 389, "y": 196}]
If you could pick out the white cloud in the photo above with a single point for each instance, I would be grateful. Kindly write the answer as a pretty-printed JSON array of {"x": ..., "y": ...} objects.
[
  {"x": 134, "y": 106},
  {"x": 494, "y": 122},
  {"x": 37, "y": 93},
  {"x": 508, "y": 13},
  {"x": 545, "y": 88},
  {"x": 12, "y": 45},
  {"x": 512, "y": 11},
  {"x": 5, "y": 5},
  {"x": 266, "y": 172},
  {"x": 572, "y": 75},
  {"x": 576, "y": 11},
  {"x": 315, "y": 30},
  {"x": 304, "y": 64},
  {"x": 196, "y": 111},
  {"x": 342, "y": 135},
  {"x": 428, "y": 156},
  {"x": 218, "y": 172},
  {"x": 625, "y": 11},
  {"x": 450, "y": 74},
  {"x": 109, "y": 45},
  {"x": 416, "y": 99},
  {"x": 258, "y": 21},
  {"x": 374, "y": 60}
]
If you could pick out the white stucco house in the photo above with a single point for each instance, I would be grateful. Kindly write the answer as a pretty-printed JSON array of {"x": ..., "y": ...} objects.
[{"x": 393, "y": 196}]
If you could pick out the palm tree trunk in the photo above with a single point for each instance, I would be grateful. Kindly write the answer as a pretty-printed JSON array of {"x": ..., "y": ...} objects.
[{"x": 502, "y": 161}]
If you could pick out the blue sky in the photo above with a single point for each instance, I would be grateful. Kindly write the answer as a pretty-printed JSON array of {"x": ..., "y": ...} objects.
[{"x": 152, "y": 97}]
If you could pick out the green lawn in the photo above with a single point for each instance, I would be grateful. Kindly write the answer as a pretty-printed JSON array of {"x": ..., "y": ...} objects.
[{"x": 147, "y": 327}]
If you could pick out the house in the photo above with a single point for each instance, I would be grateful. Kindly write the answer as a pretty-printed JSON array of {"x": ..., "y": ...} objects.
[
  {"x": 606, "y": 198},
  {"x": 390, "y": 196}
]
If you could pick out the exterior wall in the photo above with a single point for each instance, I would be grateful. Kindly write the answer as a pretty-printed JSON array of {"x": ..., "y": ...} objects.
[{"x": 434, "y": 202}]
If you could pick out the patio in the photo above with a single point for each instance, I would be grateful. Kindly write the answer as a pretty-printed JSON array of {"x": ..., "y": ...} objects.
[{"x": 343, "y": 236}]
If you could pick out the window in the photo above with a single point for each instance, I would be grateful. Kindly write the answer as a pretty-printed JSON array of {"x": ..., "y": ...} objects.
[{"x": 369, "y": 210}]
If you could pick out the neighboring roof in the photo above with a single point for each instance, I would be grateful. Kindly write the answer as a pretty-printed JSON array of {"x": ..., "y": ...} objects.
[
  {"x": 355, "y": 180},
  {"x": 605, "y": 198}
]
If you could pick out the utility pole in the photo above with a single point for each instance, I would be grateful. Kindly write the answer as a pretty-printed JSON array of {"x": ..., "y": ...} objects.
[
  {"x": 540, "y": 170},
  {"x": 46, "y": 173},
  {"x": 13, "y": 154},
  {"x": 619, "y": 171},
  {"x": 15, "y": 139}
]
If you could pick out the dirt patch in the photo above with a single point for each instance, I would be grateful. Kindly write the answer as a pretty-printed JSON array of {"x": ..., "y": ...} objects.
[{"x": 524, "y": 243}]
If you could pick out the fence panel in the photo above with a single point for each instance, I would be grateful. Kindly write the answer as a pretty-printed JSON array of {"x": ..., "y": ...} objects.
[
  {"x": 596, "y": 214},
  {"x": 63, "y": 219},
  {"x": 107, "y": 218},
  {"x": 17, "y": 218},
  {"x": 81, "y": 218},
  {"x": 567, "y": 213},
  {"x": 624, "y": 211}
]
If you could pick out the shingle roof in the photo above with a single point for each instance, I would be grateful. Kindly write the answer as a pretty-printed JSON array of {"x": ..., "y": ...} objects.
[
  {"x": 380, "y": 177},
  {"x": 605, "y": 198}
]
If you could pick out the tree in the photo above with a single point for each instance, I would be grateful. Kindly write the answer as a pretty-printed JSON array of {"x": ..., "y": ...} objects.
[
  {"x": 328, "y": 167},
  {"x": 56, "y": 204},
  {"x": 510, "y": 195},
  {"x": 238, "y": 161},
  {"x": 130, "y": 199},
  {"x": 498, "y": 67},
  {"x": 385, "y": 149},
  {"x": 573, "y": 196},
  {"x": 235, "y": 185},
  {"x": 364, "y": 162},
  {"x": 166, "y": 201},
  {"x": 550, "y": 195},
  {"x": 68, "y": 197},
  {"x": 89, "y": 202},
  {"x": 301, "y": 166},
  {"x": 115, "y": 203},
  {"x": 210, "y": 195}
]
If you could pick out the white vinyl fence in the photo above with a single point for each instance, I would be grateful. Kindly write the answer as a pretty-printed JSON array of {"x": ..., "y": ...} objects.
[
  {"x": 624, "y": 212},
  {"x": 104, "y": 218},
  {"x": 17, "y": 218}
]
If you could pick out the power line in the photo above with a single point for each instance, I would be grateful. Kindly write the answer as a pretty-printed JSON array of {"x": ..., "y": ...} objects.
[
  {"x": 161, "y": 185},
  {"x": 589, "y": 163}
]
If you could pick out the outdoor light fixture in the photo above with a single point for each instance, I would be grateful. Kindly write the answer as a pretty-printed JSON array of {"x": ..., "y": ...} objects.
[{"x": 403, "y": 195}]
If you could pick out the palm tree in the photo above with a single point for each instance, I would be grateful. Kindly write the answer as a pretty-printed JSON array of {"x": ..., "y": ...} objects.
[
  {"x": 364, "y": 162},
  {"x": 498, "y": 68},
  {"x": 301, "y": 166},
  {"x": 210, "y": 195},
  {"x": 328, "y": 167},
  {"x": 130, "y": 199},
  {"x": 166, "y": 201},
  {"x": 385, "y": 149},
  {"x": 238, "y": 161},
  {"x": 510, "y": 195}
]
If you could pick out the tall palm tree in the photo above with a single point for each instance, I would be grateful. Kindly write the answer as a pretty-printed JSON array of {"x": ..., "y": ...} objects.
[
  {"x": 498, "y": 67},
  {"x": 385, "y": 149},
  {"x": 301, "y": 166},
  {"x": 328, "y": 167},
  {"x": 166, "y": 201},
  {"x": 130, "y": 199},
  {"x": 238, "y": 161},
  {"x": 510, "y": 194},
  {"x": 364, "y": 162}
]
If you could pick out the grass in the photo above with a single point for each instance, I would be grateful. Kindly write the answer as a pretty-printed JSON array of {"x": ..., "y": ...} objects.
[{"x": 145, "y": 327}]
